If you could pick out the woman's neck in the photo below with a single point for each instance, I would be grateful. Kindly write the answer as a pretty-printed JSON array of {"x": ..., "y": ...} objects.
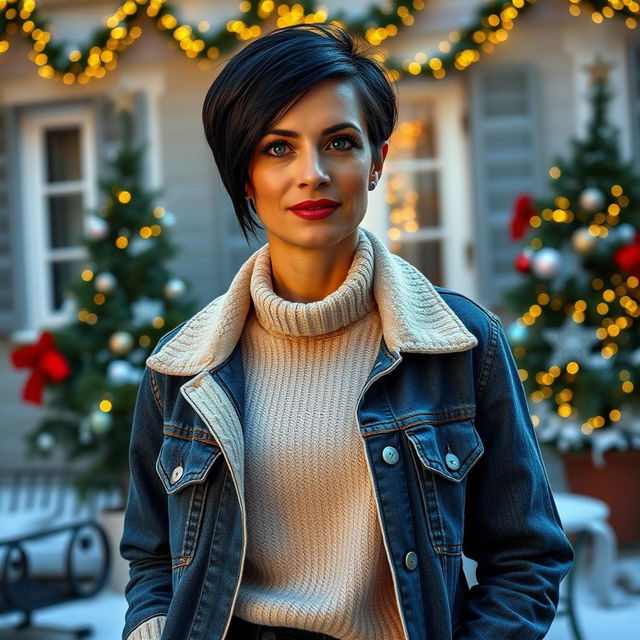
[{"x": 308, "y": 275}]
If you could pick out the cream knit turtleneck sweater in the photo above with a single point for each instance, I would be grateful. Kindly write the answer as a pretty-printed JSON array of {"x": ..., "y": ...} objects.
[{"x": 315, "y": 555}]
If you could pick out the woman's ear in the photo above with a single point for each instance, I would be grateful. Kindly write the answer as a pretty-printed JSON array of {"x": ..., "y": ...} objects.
[{"x": 376, "y": 170}]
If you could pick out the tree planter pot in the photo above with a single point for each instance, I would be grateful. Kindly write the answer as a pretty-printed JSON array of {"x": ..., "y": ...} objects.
[
  {"x": 616, "y": 483},
  {"x": 113, "y": 522}
]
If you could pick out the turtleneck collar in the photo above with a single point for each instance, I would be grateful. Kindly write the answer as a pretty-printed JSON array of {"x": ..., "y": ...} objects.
[{"x": 352, "y": 300}]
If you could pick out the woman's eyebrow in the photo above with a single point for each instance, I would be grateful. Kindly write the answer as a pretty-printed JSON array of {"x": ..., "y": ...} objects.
[{"x": 293, "y": 134}]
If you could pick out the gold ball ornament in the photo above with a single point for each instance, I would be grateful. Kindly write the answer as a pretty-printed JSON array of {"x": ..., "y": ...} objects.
[
  {"x": 583, "y": 242},
  {"x": 121, "y": 342}
]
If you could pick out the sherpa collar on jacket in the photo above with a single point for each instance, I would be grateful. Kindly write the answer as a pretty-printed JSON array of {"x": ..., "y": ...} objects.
[{"x": 414, "y": 317}]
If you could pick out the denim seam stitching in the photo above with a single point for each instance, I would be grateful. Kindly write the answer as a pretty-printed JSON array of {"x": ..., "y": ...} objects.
[
  {"x": 188, "y": 557},
  {"x": 424, "y": 503},
  {"x": 213, "y": 535},
  {"x": 487, "y": 364},
  {"x": 157, "y": 394},
  {"x": 183, "y": 432}
]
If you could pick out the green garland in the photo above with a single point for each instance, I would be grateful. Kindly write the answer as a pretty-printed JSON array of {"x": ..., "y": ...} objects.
[{"x": 58, "y": 60}]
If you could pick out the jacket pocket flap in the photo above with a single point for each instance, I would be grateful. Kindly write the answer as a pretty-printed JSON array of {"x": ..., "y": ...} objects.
[
  {"x": 449, "y": 449},
  {"x": 185, "y": 459}
]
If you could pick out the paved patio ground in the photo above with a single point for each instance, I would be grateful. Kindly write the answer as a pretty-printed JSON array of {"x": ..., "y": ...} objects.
[{"x": 622, "y": 622}]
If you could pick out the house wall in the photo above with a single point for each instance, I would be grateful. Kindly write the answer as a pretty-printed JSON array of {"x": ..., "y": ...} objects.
[{"x": 185, "y": 168}]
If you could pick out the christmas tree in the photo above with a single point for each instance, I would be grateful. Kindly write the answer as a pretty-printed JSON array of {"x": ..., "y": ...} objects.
[
  {"x": 124, "y": 300},
  {"x": 576, "y": 338}
]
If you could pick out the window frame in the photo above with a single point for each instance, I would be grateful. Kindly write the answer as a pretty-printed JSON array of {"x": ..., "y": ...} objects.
[
  {"x": 452, "y": 164},
  {"x": 39, "y": 313}
]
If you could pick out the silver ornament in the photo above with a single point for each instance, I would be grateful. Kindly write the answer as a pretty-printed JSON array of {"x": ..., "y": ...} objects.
[
  {"x": 121, "y": 342},
  {"x": 105, "y": 282},
  {"x": 96, "y": 228},
  {"x": 546, "y": 263},
  {"x": 119, "y": 372},
  {"x": 100, "y": 422},
  {"x": 570, "y": 341},
  {"x": 582, "y": 241},
  {"x": 45, "y": 441},
  {"x": 144, "y": 310},
  {"x": 592, "y": 200},
  {"x": 174, "y": 289},
  {"x": 625, "y": 233}
]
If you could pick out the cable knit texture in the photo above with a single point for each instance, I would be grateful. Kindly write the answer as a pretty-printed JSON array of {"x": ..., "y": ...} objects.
[
  {"x": 315, "y": 556},
  {"x": 148, "y": 630},
  {"x": 415, "y": 318}
]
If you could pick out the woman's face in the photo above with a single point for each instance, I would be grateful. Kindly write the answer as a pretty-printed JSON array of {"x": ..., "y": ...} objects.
[{"x": 318, "y": 151}]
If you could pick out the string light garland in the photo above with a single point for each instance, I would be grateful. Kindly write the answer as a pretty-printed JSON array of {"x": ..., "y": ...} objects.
[{"x": 71, "y": 63}]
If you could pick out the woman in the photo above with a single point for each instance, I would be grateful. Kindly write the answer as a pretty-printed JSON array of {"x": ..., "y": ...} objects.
[{"x": 313, "y": 451}]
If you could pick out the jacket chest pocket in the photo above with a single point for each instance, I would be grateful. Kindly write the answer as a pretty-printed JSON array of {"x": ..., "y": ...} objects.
[
  {"x": 183, "y": 465},
  {"x": 444, "y": 454}
]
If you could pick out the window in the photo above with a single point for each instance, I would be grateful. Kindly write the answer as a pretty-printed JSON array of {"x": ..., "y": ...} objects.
[
  {"x": 413, "y": 191},
  {"x": 422, "y": 205},
  {"x": 58, "y": 179}
]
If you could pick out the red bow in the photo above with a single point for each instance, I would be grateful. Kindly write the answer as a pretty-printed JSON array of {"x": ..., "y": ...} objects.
[
  {"x": 47, "y": 364},
  {"x": 627, "y": 258},
  {"x": 522, "y": 212}
]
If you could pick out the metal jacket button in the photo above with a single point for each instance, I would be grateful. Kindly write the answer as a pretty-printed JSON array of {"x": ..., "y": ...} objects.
[
  {"x": 176, "y": 474},
  {"x": 452, "y": 461},
  {"x": 390, "y": 455},
  {"x": 411, "y": 560}
]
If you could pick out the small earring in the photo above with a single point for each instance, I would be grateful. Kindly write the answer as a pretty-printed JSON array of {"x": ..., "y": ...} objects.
[{"x": 372, "y": 184}]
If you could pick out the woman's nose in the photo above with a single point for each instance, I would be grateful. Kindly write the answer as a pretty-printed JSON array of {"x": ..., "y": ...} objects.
[{"x": 312, "y": 171}]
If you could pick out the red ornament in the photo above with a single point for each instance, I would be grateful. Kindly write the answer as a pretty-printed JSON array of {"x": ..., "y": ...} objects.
[
  {"x": 47, "y": 362},
  {"x": 627, "y": 258},
  {"x": 523, "y": 262},
  {"x": 521, "y": 214}
]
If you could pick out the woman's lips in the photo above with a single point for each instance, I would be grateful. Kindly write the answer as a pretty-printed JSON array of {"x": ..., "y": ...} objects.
[{"x": 315, "y": 213}]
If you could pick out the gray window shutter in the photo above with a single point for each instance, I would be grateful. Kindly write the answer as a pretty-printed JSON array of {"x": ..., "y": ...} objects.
[
  {"x": 505, "y": 137},
  {"x": 11, "y": 301}
]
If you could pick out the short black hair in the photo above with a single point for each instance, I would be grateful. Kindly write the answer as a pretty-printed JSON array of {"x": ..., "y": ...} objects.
[{"x": 260, "y": 83}]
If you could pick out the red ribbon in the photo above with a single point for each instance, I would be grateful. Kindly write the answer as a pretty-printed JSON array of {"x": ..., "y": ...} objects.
[
  {"x": 522, "y": 212},
  {"x": 47, "y": 362}
]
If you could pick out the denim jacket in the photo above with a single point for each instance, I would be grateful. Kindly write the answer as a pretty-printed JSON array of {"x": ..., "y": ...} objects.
[{"x": 450, "y": 447}]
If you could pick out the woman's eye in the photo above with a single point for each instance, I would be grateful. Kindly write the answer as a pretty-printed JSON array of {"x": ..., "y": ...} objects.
[
  {"x": 278, "y": 149},
  {"x": 341, "y": 144}
]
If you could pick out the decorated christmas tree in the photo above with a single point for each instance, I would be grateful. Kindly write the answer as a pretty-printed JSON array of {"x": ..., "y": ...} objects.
[
  {"x": 576, "y": 338},
  {"x": 87, "y": 373}
]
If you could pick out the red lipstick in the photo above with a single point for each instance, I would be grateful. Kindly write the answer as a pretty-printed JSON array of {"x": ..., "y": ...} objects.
[{"x": 315, "y": 209}]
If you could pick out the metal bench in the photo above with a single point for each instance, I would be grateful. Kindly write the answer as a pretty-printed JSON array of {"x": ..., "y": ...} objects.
[{"x": 52, "y": 547}]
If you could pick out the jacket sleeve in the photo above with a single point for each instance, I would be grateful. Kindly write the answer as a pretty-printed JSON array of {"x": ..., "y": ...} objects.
[
  {"x": 145, "y": 539},
  {"x": 512, "y": 527}
]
